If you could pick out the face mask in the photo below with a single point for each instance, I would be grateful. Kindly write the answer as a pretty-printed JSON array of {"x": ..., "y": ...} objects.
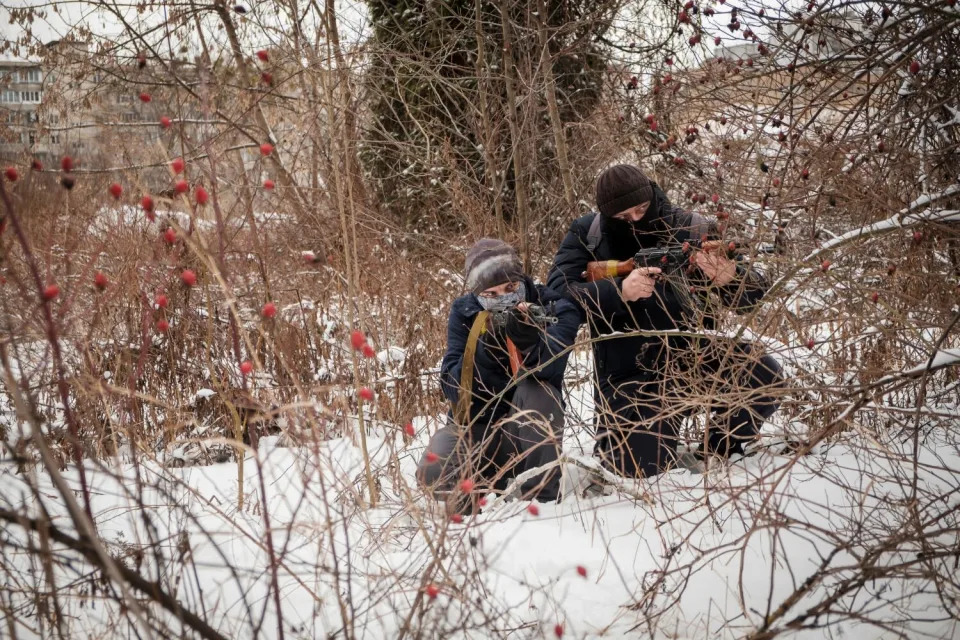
[
  {"x": 506, "y": 301},
  {"x": 649, "y": 222}
]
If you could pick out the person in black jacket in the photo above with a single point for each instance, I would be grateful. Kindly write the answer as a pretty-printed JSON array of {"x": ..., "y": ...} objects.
[
  {"x": 641, "y": 378},
  {"x": 506, "y": 409}
]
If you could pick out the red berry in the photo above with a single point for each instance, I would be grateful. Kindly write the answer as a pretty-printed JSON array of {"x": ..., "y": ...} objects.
[
  {"x": 875, "y": 297},
  {"x": 201, "y": 195},
  {"x": 667, "y": 78},
  {"x": 246, "y": 367},
  {"x": 533, "y": 509},
  {"x": 456, "y": 518},
  {"x": 141, "y": 60},
  {"x": 268, "y": 184},
  {"x": 432, "y": 457},
  {"x": 408, "y": 429},
  {"x": 810, "y": 343},
  {"x": 36, "y": 165},
  {"x": 267, "y": 78},
  {"x": 266, "y": 148},
  {"x": 466, "y": 485},
  {"x": 269, "y": 310},
  {"x": 482, "y": 502},
  {"x": 915, "y": 67},
  {"x": 51, "y": 292},
  {"x": 366, "y": 394},
  {"x": 100, "y": 281},
  {"x": 116, "y": 190},
  {"x": 825, "y": 265},
  {"x": 162, "y": 326},
  {"x": 147, "y": 203},
  {"x": 917, "y": 236},
  {"x": 715, "y": 198},
  {"x": 144, "y": 97},
  {"x": 66, "y": 163},
  {"x": 558, "y": 630},
  {"x": 263, "y": 55},
  {"x": 165, "y": 122},
  {"x": 177, "y": 164},
  {"x": 169, "y": 235},
  {"x": 582, "y": 570},
  {"x": 891, "y": 269},
  {"x": 368, "y": 351},
  {"x": 160, "y": 301},
  {"x": 181, "y": 186},
  {"x": 776, "y": 182},
  {"x": 432, "y": 591},
  {"x": 717, "y": 41},
  {"x": 12, "y": 174},
  {"x": 189, "y": 277},
  {"x": 357, "y": 339}
]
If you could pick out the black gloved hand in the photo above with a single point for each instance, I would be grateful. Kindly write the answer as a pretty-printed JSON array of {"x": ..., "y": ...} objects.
[{"x": 518, "y": 328}]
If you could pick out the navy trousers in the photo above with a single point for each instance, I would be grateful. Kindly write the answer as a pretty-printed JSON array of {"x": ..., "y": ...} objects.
[{"x": 530, "y": 436}]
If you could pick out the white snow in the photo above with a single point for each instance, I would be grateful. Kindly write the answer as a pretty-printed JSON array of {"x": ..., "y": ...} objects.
[{"x": 676, "y": 556}]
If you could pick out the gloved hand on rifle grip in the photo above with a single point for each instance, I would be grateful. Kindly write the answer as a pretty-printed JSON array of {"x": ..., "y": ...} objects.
[{"x": 521, "y": 330}]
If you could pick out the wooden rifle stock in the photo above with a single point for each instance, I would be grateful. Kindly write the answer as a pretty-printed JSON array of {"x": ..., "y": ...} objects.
[{"x": 608, "y": 269}]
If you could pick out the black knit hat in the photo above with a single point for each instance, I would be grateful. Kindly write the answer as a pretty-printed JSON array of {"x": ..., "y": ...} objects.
[
  {"x": 491, "y": 262},
  {"x": 621, "y": 187}
]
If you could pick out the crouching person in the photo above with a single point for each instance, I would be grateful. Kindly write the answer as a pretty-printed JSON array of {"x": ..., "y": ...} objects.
[{"x": 507, "y": 341}]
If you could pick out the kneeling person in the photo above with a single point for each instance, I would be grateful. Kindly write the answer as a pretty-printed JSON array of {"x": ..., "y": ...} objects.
[{"x": 507, "y": 343}]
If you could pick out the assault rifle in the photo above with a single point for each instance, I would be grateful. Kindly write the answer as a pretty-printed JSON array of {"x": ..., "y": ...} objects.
[
  {"x": 535, "y": 314},
  {"x": 670, "y": 259}
]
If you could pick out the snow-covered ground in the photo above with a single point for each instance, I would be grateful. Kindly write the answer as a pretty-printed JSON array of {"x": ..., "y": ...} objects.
[{"x": 688, "y": 556}]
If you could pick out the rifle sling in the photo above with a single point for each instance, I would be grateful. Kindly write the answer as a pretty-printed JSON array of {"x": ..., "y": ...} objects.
[
  {"x": 465, "y": 398},
  {"x": 462, "y": 410}
]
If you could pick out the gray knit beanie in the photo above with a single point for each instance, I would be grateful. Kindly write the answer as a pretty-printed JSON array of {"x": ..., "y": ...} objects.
[
  {"x": 621, "y": 187},
  {"x": 491, "y": 262}
]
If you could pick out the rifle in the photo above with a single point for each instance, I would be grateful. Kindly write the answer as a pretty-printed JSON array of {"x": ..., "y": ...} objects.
[
  {"x": 670, "y": 259},
  {"x": 535, "y": 314}
]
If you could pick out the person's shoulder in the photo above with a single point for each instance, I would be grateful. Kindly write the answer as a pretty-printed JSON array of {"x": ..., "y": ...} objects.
[
  {"x": 465, "y": 306},
  {"x": 544, "y": 294},
  {"x": 558, "y": 304},
  {"x": 566, "y": 307},
  {"x": 582, "y": 224}
]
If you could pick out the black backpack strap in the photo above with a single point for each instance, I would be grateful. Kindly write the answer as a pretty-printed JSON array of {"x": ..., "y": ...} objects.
[{"x": 595, "y": 233}]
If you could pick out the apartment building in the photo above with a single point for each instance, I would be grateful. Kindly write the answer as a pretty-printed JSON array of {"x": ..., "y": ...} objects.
[{"x": 71, "y": 103}]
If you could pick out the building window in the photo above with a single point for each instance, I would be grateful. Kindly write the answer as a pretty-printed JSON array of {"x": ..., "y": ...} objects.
[
  {"x": 55, "y": 138},
  {"x": 30, "y": 96},
  {"x": 129, "y": 117},
  {"x": 9, "y": 96},
  {"x": 30, "y": 75},
  {"x": 124, "y": 98}
]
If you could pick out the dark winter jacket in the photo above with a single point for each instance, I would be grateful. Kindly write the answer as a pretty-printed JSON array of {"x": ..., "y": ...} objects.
[
  {"x": 606, "y": 310},
  {"x": 491, "y": 374}
]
